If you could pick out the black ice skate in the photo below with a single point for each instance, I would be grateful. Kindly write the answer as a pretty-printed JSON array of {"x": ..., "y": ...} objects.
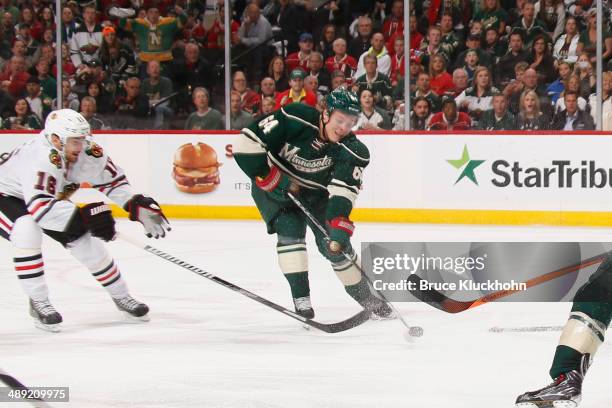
[
  {"x": 564, "y": 392},
  {"x": 45, "y": 316},
  {"x": 132, "y": 309},
  {"x": 303, "y": 307}
]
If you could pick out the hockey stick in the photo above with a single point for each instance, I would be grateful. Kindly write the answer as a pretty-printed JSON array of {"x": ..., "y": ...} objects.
[
  {"x": 413, "y": 331},
  {"x": 446, "y": 304},
  {"x": 343, "y": 325},
  {"x": 15, "y": 384},
  {"x": 527, "y": 329}
]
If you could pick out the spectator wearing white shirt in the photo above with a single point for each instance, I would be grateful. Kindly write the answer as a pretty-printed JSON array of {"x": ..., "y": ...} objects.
[{"x": 380, "y": 52}]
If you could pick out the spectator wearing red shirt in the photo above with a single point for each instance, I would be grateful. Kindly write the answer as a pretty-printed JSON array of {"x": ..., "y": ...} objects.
[
  {"x": 14, "y": 78},
  {"x": 395, "y": 22},
  {"x": 300, "y": 59},
  {"x": 398, "y": 66},
  {"x": 341, "y": 61},
  {"x": 441, "y": 81},
  {"x": 296, "y": 93},
  {"x": 450, "y": 118},
  {"x": 249, "y": 99}
]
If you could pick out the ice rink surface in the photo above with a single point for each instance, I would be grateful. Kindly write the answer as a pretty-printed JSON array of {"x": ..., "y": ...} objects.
[{"x": 209, "y": 347}]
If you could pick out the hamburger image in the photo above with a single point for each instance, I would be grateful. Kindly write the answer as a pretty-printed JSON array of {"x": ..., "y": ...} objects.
[{"x": 196, "y": 169}]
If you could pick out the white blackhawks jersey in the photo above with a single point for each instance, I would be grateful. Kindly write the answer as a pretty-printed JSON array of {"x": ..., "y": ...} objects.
[{"x": 36, "y": 173}]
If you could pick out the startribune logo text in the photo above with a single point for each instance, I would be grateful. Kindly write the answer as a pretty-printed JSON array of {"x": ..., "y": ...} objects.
[{"x": 561, "y": 174}]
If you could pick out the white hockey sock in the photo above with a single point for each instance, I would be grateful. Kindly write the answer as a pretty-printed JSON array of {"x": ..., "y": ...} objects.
[
  {"x": 92, "y": 253},
  {"x": 30, "y": 270}
]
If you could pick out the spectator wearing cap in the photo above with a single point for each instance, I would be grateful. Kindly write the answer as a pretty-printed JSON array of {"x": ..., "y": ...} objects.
[
  {"x": 155, "y": 34},
  {"x": 300, "y": 58},
  {"x": 473, "y": 43},
  {"x": 505, "y": 65},
  {"x": 362, "y": 42},
  {"x": 158, "y": 89},
  {"x": 492, "y": 15},
  {"x": 379, "y": 51},
  {"x": 341, "y": 61},
  {"x": 40, "y": 104},
  {"x": 398, "y": 66},
  {"x": 441, "y": 80},
  {"x": 423, "y": 88},
  {"x": 117, "y": 58},
  {"x": 296, "y": 93},
  {"x": 21, "y": 117},
  {"x": 572, "y": 118},
  {"x": 565, "y": 48},
  {"x": 433, "y": 45},
  {"x": 450, "y": 118},
  {"x": 205, "y": 117},
  {"x": 494, "y": 45},
  {"x": 14, "y": 77},
  {"x": 239, "y": 119},
  {"x": 316, "y": 70},
  {"x": 371, "y": 118},
  {"x": 378, "y": 83},
  {"x": 254, "y": 35},
  {"x": 529, "y": 26},
  {"x": 499, "y": 117},
  {"x": 88, "y": 110},
  {"x": 588, "y": 39},
  {"x": 86, "y": 41},
  {"x": 249, "y": 99}
]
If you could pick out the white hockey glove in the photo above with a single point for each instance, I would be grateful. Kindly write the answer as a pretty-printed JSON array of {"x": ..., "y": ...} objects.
[
  {"x": 146, "y": 211},
  {"x": 120, "y": 12}
]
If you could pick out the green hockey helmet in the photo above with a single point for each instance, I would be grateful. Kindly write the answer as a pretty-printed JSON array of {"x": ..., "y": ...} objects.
[{"x": 343, "y": 100}]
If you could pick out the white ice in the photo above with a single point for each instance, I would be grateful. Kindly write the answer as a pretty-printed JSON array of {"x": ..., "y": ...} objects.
[{"x": 207, "y": 346}]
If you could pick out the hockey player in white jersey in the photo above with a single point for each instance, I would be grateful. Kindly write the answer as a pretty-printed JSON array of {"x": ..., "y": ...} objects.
[{"x": 35, "y": 181}]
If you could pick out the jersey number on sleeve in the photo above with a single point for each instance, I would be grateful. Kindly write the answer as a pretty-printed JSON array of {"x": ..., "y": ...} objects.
[
  {"x": 50, "y": 184},
  {"x": 268, "y": 124}
]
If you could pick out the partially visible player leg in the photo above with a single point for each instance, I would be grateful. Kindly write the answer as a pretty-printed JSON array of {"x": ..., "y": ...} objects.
[
  {"x": 18, "y": 227},
  {"x": 92, "y": 253},
  {"x": 293, "y": 259},
  {"x": 581, "y": 337}
]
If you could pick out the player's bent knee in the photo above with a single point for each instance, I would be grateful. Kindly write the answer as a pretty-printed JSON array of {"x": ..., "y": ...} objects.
[
  {"x": 90, "y": 251},
  {"x": 583, "y": 333},
  {"x": 26, "y": 233}
]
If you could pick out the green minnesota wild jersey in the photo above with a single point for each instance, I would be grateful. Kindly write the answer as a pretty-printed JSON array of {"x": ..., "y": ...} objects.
[{"x": 289, "y": 139}]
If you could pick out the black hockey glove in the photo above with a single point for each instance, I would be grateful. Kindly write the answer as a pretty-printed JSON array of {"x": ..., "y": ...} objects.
[
  {"x": 99, "y": 221},
  {"x": 146, "y": 211}
]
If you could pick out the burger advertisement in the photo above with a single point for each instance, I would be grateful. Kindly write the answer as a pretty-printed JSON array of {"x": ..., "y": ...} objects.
[{"x": 196, "y": 168}]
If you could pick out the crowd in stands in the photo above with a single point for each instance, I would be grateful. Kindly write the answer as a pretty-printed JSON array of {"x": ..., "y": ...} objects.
[{"x": 159, "y": 64}]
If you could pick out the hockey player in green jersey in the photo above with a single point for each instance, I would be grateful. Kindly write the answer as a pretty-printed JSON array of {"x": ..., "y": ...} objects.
[
  {"x": 582, "y": 335},
  {"x": 317, "y": 158}
]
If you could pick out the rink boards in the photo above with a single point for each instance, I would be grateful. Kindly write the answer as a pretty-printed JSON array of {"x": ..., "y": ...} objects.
[{"x": 469, "y": 178}]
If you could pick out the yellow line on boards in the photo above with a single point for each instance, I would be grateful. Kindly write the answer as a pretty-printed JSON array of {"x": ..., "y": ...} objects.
[{"x": 413, "y": 216}]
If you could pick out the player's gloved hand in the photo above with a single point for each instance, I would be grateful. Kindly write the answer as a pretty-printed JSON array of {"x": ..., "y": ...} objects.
[
  {"x": 276, "y": 183},
  {"x": 99, "y": 220},
  {"x": 340, "y": 230},
  {"x": 146, "y": 211}
]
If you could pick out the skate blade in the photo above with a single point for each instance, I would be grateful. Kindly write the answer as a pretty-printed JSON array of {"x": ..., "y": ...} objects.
[
  {"x": 134, "y": 319},
  {"x": 549, "y": 404},
  {"x": 51, "y": 328}
]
